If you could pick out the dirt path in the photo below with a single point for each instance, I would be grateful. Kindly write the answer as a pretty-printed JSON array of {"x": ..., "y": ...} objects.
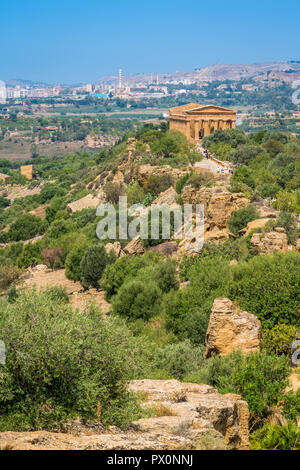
[{"x": 294, "y": 381}]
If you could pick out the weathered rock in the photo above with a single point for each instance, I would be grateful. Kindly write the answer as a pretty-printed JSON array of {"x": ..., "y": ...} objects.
[
  {"x": 167, "y": 197},
  {"x": 233, "y": 262},
  {"x": 118, "y": 177},
  {"x": 254, "y": 224},
  {"x": 230, "y": 329},
  {"x": 135, "y": 247},
  {"x": 130, "y": 148},
  {"x": 166, "y": 248},
  {"x": 270, "y": 242},
  {"x": 187, "y": 412},
  {"x": 198, "y": 407},
  {"x": 83, "y": 203},
  {"x": 116, "y": 248},
  {"x": 219, "y": 205},
  {"x": 143, "y": 172}
]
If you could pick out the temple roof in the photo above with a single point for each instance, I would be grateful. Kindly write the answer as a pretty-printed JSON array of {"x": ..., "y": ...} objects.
[{"x": 192, "y": 108}]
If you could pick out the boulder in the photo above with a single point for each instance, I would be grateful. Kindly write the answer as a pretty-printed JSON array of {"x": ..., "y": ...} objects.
[
  {"x": 143, "y": 172},
  {"x": 116, "y": 248},
  {"x": 254, "y": 224},
  {"x": 167, "y": 197},
  {"x": 83, "y": 203},
  {"x": 167, "y": 248},
  {"x": 219, "y": 204},
  {"x": 135, "y": 247},
  {"x": 230, "y": 329},
  {"x": 270, "y": 241},
  {"x": 130, "y": 145},
  {"x": 197, "y": 407},
  {"x": 118, "y": 177}
]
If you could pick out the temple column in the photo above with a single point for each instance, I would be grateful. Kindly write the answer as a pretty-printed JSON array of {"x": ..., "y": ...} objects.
[
  {"x": 196, "y": 130},
  {"x": 188, "y": 130},
  {"x": 233, "y": 124},
  {"x": 206, "y": 128}
]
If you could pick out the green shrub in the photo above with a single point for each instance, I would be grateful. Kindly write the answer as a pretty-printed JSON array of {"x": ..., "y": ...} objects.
[
  {"x": 4, "y": 202},
  {"x": 8, "y": 275},
  {"x": 182, "y": 182},
  {"x": 93, "y": 264},
  {"x": 178, "y": 359},
  {"x": 245, "y": 154},
  {"x": 57, "y": 294},
  {"x": 260, "y": 378},
  {"x": 113, "y": 191},
  {"x": 30, "y": 256},
  {"x": 291, "y": 406},
  {"x": 188, "y": 310},
  {"x": 243, "y": 175},
  {"x": 123, "y": 269},
  {"x": 135, "y": 299},
  {"x": 201, "y": 179},
  {"x": 288, "y": 221},
  {"x": 157, "y": 184},
  {"x": 27, "y": 226},
  {"x": 240, "y": 218},
  {"x": 73, "y": 262},
  {"x": 135, "y": 194},
  {"x": 275, "y": 437},
  {"x": 60, "y": 363},
  {"x": 164, "y": 273},
  {"x": 280, "y": 338},
  {"x": 268, "y": 286},
  {"x": 50, "y": 191}
]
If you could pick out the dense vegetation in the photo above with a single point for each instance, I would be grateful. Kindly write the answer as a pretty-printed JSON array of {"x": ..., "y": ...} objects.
[{"x": 155, "y": 329}]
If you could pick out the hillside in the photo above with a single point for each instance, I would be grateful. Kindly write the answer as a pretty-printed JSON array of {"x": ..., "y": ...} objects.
[
  {"x": 213, "y": 72},
  {"x": 173, "y": 339}
]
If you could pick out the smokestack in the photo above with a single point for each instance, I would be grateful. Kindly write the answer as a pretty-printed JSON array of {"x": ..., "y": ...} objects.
[{"x": 120, "y": 78}]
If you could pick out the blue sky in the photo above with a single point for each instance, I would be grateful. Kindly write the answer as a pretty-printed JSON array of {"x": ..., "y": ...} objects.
[{"x": 71, "y": 41}]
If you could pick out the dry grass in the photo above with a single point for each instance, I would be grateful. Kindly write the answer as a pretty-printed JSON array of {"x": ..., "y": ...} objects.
[
  {"x": 162, "y": 410},
  {"x": 178, "y": 397}
]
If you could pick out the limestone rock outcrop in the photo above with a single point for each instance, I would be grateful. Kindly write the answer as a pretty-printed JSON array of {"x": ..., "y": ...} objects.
[
  {"x": 230, "y": 329},
  {"x": 270, "y": 242},
  {"x": 116, "y": 248},
  {"x": 219, "y": 204},
  {"x": 167, "y": 197},
  {"x": 189, "y": 416},
  {"x": 143, "y": 172},
  {"x": 83, "y": 203},
  {"x": 135, "y": 247},
  {"x": 254, "y": 224},
  {"x": 130, "y": 145},
  {"x": 199, "y": 407}
]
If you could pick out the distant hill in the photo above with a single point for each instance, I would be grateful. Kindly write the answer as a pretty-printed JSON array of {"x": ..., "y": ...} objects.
[{"x": 216, "y": 72}]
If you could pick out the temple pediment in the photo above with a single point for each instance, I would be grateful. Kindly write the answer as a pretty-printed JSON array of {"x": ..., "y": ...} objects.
[
  {"x": 211, "y": 109},
  {"x": 194, "y": 108},
  {"x": 196, "y": 121}
]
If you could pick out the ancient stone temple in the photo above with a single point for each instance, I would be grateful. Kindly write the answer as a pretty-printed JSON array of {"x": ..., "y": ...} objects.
[{"x": 196, "y": 121}]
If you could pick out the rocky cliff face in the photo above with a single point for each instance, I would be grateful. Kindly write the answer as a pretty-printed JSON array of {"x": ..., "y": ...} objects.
[
  {"x": 143, "y": 172},
  {"x": 219, "y": 205},
  {"x": 188, "y": 416},
  {"x": 229, "y": 329},
  {"x": 270, "y": 242}
]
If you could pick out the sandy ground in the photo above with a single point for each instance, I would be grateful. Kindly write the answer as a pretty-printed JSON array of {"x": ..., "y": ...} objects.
[{"x": 42, "y": 277}]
